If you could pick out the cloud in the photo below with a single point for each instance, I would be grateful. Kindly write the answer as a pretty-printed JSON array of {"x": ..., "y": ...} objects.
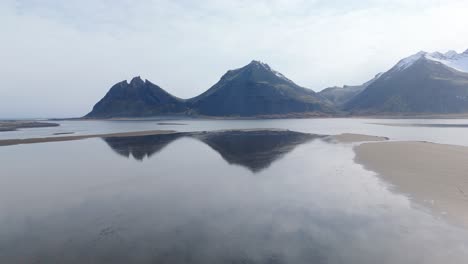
[{"x": 60, "y": 57}]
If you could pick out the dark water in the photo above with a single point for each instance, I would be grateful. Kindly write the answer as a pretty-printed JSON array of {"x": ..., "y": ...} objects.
[{"x": 209, "y": 198}]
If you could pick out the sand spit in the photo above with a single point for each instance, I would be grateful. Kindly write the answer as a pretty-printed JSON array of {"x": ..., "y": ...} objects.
[
  {"x": 8, "y": 142},
  {"x": 434, "y": 175},
  {"x": 14, "y": 125}
]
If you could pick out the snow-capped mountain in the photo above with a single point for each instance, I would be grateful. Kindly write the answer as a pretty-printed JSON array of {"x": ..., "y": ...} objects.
[{"x": 421, "y": 83}]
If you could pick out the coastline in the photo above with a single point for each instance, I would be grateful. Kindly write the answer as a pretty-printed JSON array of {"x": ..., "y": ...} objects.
[
  {"x": 305, "y": 115},
  {"x": 433, "y": 175}
]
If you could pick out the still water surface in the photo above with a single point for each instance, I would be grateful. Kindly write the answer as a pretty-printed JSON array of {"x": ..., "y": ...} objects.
[
  {"x": 447, "y": 131},
  {"x": 225, "y": 199}
]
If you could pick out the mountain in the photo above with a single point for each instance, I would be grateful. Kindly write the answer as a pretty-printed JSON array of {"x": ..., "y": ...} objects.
[
  {"x": 339, "y": 96},
  {"x": 256, "y": 89},
  {"x": 136, "y": 99},
  {"x": 424, "y": 83}
]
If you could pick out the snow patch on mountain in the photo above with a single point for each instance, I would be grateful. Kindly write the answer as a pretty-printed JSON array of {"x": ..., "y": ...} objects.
[
  {"x": 281, "y": 76},
  {"x": 407, "y": 62},
  {"x": 267, "y": 67},
  {"x": 452, "y": 59}
]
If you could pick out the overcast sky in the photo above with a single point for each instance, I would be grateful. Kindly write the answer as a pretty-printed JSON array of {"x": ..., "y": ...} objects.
[{"x": 59, "y": 57}]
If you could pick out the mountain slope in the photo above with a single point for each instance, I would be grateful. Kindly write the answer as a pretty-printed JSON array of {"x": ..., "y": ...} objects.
[
  {"x": 136, "y": 99},
  {"x": 339, "y": 96},
  {"x": 256, "y": 89},
  {"x": 421, "y": 83}
]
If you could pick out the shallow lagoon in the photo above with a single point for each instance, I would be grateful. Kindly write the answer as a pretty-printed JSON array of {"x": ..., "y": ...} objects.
[{"x": 156, "y": 199}]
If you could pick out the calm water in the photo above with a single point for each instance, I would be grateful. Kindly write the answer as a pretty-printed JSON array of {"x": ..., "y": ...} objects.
[
  {"x": 223, "y": 199},
  {"x": 439, "y": 134}
]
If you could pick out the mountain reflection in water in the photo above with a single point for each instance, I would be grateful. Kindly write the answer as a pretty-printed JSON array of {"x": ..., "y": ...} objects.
[{"x": 253, "y": 149}]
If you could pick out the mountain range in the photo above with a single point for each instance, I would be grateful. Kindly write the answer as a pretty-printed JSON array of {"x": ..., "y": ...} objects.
[
  {"x": 253, "y": 90},
  {"x": 423, "y": 83}
]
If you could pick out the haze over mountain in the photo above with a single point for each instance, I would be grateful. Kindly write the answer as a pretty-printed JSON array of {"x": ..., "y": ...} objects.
[
  {"x": 253, "y": 90},
  {"x": 429, "y": 83},
  {"x": 341, "y": 95},
  {"x": 72, "y": 52}
]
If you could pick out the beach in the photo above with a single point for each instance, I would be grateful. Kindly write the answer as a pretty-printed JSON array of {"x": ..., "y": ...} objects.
[{"x": 433, "y": 175}]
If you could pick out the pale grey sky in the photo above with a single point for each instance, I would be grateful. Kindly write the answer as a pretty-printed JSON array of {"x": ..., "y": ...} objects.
[{"x": 60, "y": 57}]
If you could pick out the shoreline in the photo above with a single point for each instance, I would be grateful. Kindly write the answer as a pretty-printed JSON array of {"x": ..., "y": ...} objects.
[
  {"x": 306, "y": 115},
  {"x": 432, "y": 175}
]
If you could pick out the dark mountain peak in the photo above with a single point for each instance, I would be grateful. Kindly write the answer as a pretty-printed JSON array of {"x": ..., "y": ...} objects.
[
  {"x": 465, "y": 52},
  {"x": 137, "y": 81}
]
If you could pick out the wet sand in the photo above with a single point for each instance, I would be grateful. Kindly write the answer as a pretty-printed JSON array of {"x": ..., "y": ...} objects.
[
  {"x": 434, "y": 175},
  {"x": 8, "y": 142},
  {"x": 352, "y": 138}
]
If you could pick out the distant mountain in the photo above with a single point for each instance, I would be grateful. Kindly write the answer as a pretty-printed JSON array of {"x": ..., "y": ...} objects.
[
  {"x": 428, "y": 83},
  {"x": 339, "y": 96},
  {"x": 256, "y": 89},
  {"x": 136, "y": 99}
]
